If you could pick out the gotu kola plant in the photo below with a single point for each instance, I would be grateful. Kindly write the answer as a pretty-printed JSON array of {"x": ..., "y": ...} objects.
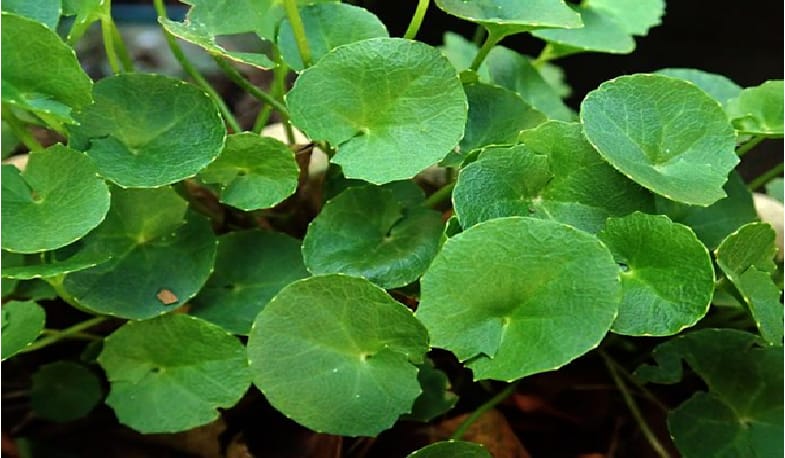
[{"x": 549, "y": 230}]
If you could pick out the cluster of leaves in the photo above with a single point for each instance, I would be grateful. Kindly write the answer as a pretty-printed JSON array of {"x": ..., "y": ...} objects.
[{"x": 626, "y": 217}]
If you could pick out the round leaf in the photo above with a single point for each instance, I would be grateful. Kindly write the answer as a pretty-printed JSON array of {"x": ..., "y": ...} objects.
[
  {"x": 250, "y": 268},
  {"x": 55, "y": 201},
  {"x": 327, "y": 26},
  {"x": 50, "y": 86},
  {"x": 171, "y": 373},
  {"x": 601, "y": 32},
  {"x": 22, "y": 323},
  {"x": 667, "y": 276},
  {"x": 71, "y": 258},
  {"x": 159, "y": 260},
  {"x": 336, "y": 354},
  {"x": 367, "y": 232},
  {"x": 506, "y": 17},
  {"x": 636, "y": 17},
  {"x": 254, "y": 172},
  {"x": 759, "y": 110},
  {"x": 542, "y": 294},
  {"x": 496, "y": 116},
  {"x": 451, "y": 449},
  {"x": 148, "y": 130},
  {"x": 717, "y": 86},
  {"x": 392, "y": 107},
  {"x": 664, "y": 133},
  {"x": 64, "y": 391}
]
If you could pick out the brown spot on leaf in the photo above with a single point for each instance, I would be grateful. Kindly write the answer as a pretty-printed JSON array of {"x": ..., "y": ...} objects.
[{"x": 166, "y": 296}]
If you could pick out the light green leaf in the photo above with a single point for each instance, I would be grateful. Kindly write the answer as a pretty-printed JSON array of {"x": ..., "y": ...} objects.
[
  {"x": 46, "y": 12},
  {"x": 713, "y": 223},
  {"x": 51, "y": 87},
  {"x": 717, "y": 86},
  {"x": 392, "y": 107},
  {"x": 775, "y": 189},
  {"x": 451, "y": 449},
  {"x": 759, "y": 110},
  {"x": 171, "y": 373},
  {"x": 667, "y": 276},
  {"x": 507, "y": 17},
  {"x": 743, "y": 409},
  {"x": 55, "y": 201},
  {"x": 525, "y": 312},
  {"x": 746, "y": 258},
  {"x": 64, "y": 391},
  {"x": 435, "y": 398},
  {"x": 601, "y": 32},
  {"x": 554, "y": 76},
  {"x": 86, "y": 12},
  {"x": 637, "y": 17},
  {"x": 160, "y": 257},
  {"x": 337, "y": 355},
  {"x": 367, "y": 232},
  {"x": 22, "y": 323},
  {"x": 327, "y": 26},
  {"x": 71, "y": 258},
  {"x": 460, "y": 52},
  {"x": 148, "y": 130},
  {"x": 250, "y": 268},
  {"x": 664, "y": 133},
  {"x": 253, "y": 172},
  {"x": 496, "y": 117}
]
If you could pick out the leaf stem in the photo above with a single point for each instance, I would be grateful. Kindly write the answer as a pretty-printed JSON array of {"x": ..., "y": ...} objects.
[
  {"x": 257, "y": 93},
  {"x": 746, "y": 147},
  {"x": 125, "y": 57},
  {"x": 488, "y": 405},
  {"x": 78, "y": 335},
  {"x": 766, "y": 177},
  {"x": 18, "y": 128},
  {"x": 67, "y": 332},
  {"x": 440, "y": 195},
  {"x": 490, "y": 42},
  {"x": 299, "y": 31},
  {"x": 108, "y": 38},
  {"x": 193, "y": 72},
  {"x": 416, "y": 22},
  {"x": 278, "y": 87},
  {"x": 636, "y": 413}
]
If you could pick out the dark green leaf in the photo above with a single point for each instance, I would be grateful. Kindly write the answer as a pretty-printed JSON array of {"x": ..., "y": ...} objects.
[
  {"x": 22, "y": 323},
  {"x": 451, "y": 449},
  {"x": 71, "y": 258},
  {"x": 435, "y": 398},
  {"x": 759, "y": 110},
  {"x": 64, "y": 391}
]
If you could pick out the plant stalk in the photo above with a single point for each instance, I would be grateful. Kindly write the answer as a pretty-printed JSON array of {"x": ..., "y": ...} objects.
[
  {"x": 440, "y": 195},
  {"x": 18, "y": 128},
  {"x": 67, "y": 332},
  {"x": 745, "y": 148},
  {"x": 416, "y": 22},
  {"x": 109, "y": 46},
  {"x": 277, "y": 91},
  {"x": 766, "y": 177},
  {"x": 193, "y": 72},
  {"x": 298, "y": 29},
  {"x": 658, "y": 448},
  {"x": 490, "y": 42},
  {"x": 125, "y": 57},
  {"x": 257, "y": 93},
  {"x": 488, "y": 405}
]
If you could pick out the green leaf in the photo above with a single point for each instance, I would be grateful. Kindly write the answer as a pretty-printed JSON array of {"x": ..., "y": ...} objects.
[
  {"x": 496, "y": 117},
  {"x": 451, "y": 449},
  {"x": 35, "y": 290},
  {"x": 55, "y": 201},
  {"x": 22, "y": 323},
  {"x": 460, "y": 52},
  {"x": 337, "y": 355},
  {"x": 327, "y": 26},
  {"x": 719, "y": 87},
  {"x": 376, "y": 99},
  {"x": 171, "y": 373},
  {"x": 435, "y": 399},
  {"x": 667, "y": 276},
  {"x": 759, "y": 110},
  {"x": 158, "y": 254},
  {"x": 148, "y": 130},
  {"x": 601, "y": 32},
  {"x": 50, "y": 87},
  {"x": 8, "y": 141},
  {"x": 746, "y": 258},
  {"x": 775, "y": 189},
  {"x": 366, "y": 232},
  {"x": 9, "y": 260},
  {"x": 636, "y": 17},
  {"x": 507, "y": 17},
  {"x": 713, "y": 223},
  {"x": 46, "y": 12},
  {"x": 250, "y": 268},
  {"x": 64, "y": 391},
  {"x": 664, "y": 133},
  {"x": 86, "y": 12},
  {"x": 525, "y": 312},
  {"x": 743, "y": 409},
  {"x": 555, "y": 174},
  {"x": 253, "y": 172},
  {"x": 71, "y": 258}
]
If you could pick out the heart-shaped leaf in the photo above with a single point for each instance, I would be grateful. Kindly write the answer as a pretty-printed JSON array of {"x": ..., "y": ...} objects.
[
  {"x": 55, "y": 201},
  {"x": 337, "y": 355},
  {"x": 664, "y": 133},
  {"x": 142, "y": 130},
  {"x": 367, "y": 232},
  {"x": 254, "y": 172},
  {"x": 22, "y": 323},
  {"x": 759, "y": 110},
  {"x": 525, "y": 312},
  {"x": 171, "y": 373},
  {"x": 667, "y": 276},
  {"x": 250, "y": 268},
  {"x": 392, "y": 107}
]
